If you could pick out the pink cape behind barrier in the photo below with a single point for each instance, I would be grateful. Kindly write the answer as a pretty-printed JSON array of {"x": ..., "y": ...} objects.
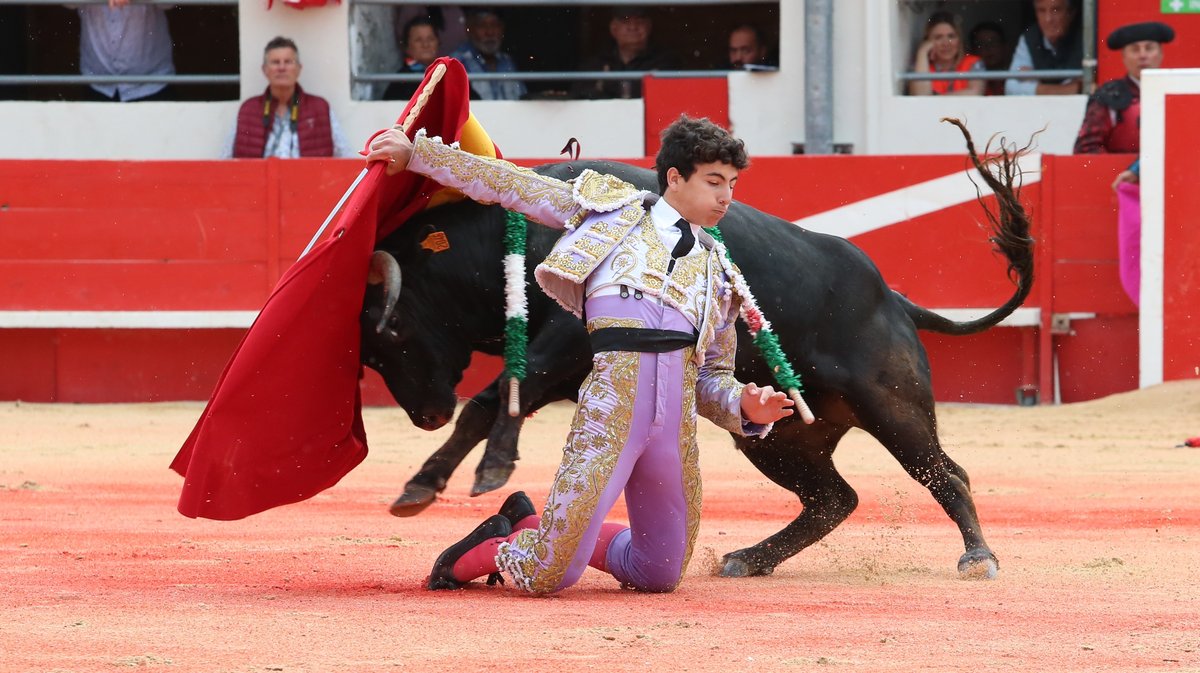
[{"x": 1129, "y": 238}]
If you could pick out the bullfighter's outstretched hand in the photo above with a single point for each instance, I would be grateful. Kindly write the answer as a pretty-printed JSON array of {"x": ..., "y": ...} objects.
[
  {"x": 393, "y": 147},
  {"x": 765, "y": 405}
]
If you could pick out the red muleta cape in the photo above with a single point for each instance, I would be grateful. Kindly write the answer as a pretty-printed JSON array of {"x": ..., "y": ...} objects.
[{"x": 284, "y": 422}]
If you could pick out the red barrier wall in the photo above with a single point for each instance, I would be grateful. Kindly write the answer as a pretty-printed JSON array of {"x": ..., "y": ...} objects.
[
  {"x": 1181, "y": 244},
  {"x": 666, "y": 98},
  {"x": 216, "y": 235}
]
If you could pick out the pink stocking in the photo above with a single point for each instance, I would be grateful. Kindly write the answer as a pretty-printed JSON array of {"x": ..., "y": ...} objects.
[
  {"x": 531, "y": 521},
  {"x": 608, "y": 531},
  {"x": 479, "y": 561}
]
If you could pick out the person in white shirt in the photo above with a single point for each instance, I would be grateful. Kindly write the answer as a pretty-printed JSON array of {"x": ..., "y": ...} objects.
[{"x": 124, "y": 39}]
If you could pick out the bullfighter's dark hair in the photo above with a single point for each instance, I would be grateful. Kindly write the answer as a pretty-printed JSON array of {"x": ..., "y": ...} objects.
[
  {"x": 279, "y": 42},
  {"x": 689, "y": 141}
]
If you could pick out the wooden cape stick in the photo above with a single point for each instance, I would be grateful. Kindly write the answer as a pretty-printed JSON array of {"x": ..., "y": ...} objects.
[{"x": 404, "y": 126}]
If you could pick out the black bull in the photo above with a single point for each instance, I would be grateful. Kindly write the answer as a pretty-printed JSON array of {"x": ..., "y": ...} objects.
[{"x": 852, "y": 339}]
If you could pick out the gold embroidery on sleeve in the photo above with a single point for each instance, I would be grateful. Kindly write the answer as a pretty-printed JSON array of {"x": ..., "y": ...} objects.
[{"x": 498, "y": 175}]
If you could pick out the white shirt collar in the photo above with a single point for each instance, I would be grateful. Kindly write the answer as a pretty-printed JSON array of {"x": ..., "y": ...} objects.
[{"x": 665, "y": 216}]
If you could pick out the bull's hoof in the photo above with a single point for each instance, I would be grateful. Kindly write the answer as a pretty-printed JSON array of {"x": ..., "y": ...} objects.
[
  {"x": 741, "y": 564},
  {"x": 414, "y": 500},
  {"x": 979, "y": 564},
  {"x": 488, "y": 479}
]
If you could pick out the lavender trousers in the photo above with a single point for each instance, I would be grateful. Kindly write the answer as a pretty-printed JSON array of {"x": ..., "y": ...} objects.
[{"x": 634, "y": 432}]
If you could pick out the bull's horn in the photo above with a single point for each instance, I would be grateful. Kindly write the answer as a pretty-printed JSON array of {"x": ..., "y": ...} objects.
[{"x": 385, "y": 269}]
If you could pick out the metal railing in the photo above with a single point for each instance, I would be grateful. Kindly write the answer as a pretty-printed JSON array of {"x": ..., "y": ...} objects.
[
  {"x": 602, "y": 4},
  {"x": 51, "y": 80},
  {"x": 71, "y": 3},
  {"x": 45, "y": 80},
  {"x": 573, "y": 75},
  {"x": 989, "y": 74}
]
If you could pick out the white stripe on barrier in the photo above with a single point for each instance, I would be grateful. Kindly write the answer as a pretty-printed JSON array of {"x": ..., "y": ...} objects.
[
  {"x": 1022, "y": 317},
  {"x": 906, "y": 203}
]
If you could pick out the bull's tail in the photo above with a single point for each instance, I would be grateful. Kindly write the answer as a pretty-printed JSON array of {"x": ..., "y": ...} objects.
[{"x": 1009, "y": 237}]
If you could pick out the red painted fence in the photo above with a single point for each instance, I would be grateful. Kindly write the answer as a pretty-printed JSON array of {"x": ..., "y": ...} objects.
[{"x": 146, "y": 239}]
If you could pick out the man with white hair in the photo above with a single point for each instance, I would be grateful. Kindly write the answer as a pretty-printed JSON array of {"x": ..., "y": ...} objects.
[{"x": 1053, "y": 42}]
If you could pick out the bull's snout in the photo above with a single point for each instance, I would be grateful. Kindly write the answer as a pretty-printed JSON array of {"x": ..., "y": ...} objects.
[{"x": 430, "y": 421}]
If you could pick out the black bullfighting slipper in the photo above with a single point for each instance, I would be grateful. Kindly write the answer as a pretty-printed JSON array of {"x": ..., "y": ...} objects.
[
  {"x": 517, "y": 507},
  {"x": 442, "y": 576}
]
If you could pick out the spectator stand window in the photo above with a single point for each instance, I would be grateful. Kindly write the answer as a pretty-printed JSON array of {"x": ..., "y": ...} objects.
[
  {"x": 1011, "y": 16},
  {"x": 552, "y": 40},
  {"x": 39, "y": 50}
]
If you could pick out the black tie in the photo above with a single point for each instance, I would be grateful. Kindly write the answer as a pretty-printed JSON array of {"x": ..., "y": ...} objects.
[
  {"x": 684, "y": 246},
  {"x": 686, "y": 241}
]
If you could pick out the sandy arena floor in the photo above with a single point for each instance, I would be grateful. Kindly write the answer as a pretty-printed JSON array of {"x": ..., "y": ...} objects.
[{"x": 1093, "y": 511}]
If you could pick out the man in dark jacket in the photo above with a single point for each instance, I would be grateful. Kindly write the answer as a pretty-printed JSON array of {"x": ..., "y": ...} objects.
[
  {"x": 1053, "y": 42},
  {"x": 1113, "y": 116},
  {"x": 630, "y": 28}
]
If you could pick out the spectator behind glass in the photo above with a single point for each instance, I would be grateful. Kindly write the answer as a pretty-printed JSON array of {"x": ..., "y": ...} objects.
[
  {"x": 482, "y": 53},
  {"x": 630, "y": 29},
  {"x": 125, "y": 40},
  {"x": 448, "y": 20},
  {"x": 748, "y": 49},
  {"x": 1053, "y": 42},
  {"x": 991, "y": 46},
  {"x": 420, "y": 49},
  {"x": 285, "y": 121},
  {"x": 942, "y": 50}
]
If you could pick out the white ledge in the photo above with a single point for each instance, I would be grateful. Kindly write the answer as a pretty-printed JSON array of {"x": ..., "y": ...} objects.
[{"x": 1022, "y": 317}]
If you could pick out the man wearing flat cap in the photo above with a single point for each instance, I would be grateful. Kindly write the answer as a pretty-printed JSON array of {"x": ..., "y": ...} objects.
[{"x": 1111, "y": 121}]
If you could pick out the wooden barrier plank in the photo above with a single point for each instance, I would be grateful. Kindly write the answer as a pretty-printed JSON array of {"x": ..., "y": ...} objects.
[
  {"x": 1089, "y": 286},
  {"x": 27, "y": 360},
  {"x": 1081, "y": 241},
  {"x": 132, "y": 233},
  {"x": 1087, "y": 222},
  {"x": 100, "y": 286},
  {"x": 170, "y": 365},
  {"x": 1098, "y": 358},
  {"x": 985, "y": 368},
  {"x": 166, "y": 185}
]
